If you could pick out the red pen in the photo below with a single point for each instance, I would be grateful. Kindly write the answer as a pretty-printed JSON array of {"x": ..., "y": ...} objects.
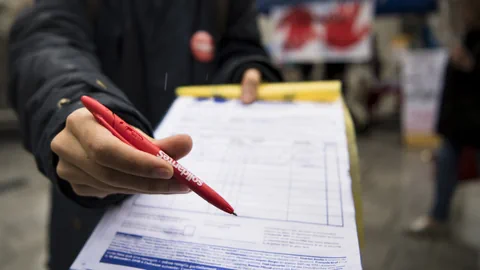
[{"x": 130, "y": 136}]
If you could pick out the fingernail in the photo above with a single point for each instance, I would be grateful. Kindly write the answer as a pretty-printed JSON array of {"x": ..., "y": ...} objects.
[{"x": 163, "y": 173}]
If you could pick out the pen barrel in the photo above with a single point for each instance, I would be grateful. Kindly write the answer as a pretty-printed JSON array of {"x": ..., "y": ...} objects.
[
  {"x": 180, "y": 171},
  {"x": 209, "y": 195}
]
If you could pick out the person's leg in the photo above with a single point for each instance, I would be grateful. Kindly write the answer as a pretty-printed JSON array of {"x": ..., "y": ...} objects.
[
  {"x": 306, "y": 71},
  {"x": 336, "y": 71},
  {"x": 477, "y": 173},
  {"x": 446, "y": 178}
]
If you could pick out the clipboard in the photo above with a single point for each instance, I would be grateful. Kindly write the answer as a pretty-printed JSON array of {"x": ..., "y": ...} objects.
[
  {"x": 142, "y": 247},
  {"x": 317, "y": 91}
]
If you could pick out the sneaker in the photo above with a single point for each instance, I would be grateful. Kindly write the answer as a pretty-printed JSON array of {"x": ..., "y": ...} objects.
[{"x": 426, "y": 226}]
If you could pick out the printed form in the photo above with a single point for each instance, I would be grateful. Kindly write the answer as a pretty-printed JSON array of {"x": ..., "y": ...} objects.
[{"x": 283, "y": 167}]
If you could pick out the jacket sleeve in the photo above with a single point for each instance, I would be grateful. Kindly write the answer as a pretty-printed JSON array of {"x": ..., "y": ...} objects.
[
  {"x": 52, "y": 63},
  {"x": 240, "y": 47}
]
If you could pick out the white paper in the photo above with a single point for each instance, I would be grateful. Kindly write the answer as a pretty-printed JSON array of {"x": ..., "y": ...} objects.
[{"x": 282, "y": 166}]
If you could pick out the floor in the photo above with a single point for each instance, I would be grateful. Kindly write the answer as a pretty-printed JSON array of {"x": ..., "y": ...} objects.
[
  {"x": 396, "y": 188},
  {"x": 24, "y": 203}
]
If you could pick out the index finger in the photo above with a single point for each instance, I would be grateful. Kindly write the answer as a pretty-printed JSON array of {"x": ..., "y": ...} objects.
[{"x": 105, "y": 149}]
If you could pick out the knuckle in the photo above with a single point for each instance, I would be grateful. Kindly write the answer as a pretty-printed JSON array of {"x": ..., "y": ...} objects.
[
  {"x": 76, "y": 118},
  {"x": 101, "y": 195},
  {"x": 137, "y": 167},
  {"x": 150, "y": 185},
  {"x": 140, "y": 185},
  {"x": 58, "y": 143},
  {"x": 72, "y": 119},
  {"x": 87, "y": 191},
  {"x": 99, "y": 150},
  {"x": 55, "y": 145},
  {"x": 62, "y": 170},
  {"x": 109, "y": 175},
  {"x": 114, "y": 180},
  {"x": 80, "y": 190}
]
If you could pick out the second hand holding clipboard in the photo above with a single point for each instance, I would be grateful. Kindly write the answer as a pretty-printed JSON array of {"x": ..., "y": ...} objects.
[{"x": 130, "y": 136}]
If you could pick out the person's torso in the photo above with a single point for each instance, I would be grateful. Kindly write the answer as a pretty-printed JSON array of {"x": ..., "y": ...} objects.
[{"x": 144, "y": 47}]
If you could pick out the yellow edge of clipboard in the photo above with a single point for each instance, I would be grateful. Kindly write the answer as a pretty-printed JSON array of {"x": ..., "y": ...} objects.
[{"x": 321, "y": 91}]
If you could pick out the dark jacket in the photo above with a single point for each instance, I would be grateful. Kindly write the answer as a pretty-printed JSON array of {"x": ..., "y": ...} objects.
[
  {"x": 459, "y": 113},
  {"x": 140, "y": 50}
]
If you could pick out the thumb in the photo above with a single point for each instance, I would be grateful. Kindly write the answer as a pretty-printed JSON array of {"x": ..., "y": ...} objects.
[
  {"x": 250, "y": 83},
  {"x": 176, "y": 146}
]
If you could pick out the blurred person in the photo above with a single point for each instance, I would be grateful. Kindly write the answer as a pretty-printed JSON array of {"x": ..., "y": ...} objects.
[
  {"x": 129, "y": 55},
  {"x": 306, "y": 71},
  {"x": 458, "y": 122},
  {"x": 331, "y": 71},
  {"x": 361, "y": 79}
]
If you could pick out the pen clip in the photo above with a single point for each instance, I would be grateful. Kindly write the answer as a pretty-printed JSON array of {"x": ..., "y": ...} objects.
[{"x": 111, "y": 129}]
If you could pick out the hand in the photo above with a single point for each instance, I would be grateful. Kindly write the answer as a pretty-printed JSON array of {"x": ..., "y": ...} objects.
[
  {"x": 462, "y": 59},
  {"x": 98, "y": 164},
  {"x": 250, "y": 82}
]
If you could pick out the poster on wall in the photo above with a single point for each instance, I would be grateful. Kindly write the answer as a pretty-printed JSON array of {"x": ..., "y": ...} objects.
[
  {"x": 329, "y": 31},
  {"x": 422, "y": 84},
  {"x": 382, "y": 7}
]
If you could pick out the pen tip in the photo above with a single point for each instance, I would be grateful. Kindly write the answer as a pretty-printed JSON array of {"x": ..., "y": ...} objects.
[{"x": 234, "y": 214}]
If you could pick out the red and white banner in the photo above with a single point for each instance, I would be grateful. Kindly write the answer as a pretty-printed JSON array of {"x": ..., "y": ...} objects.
[{"x": 323, "y": 31}]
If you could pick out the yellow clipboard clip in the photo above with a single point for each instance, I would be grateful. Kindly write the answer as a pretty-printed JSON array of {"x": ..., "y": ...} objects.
[{"x": 316, "y": 91}]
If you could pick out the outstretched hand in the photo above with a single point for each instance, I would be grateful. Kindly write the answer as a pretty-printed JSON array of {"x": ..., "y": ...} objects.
[{"x": 97, "y": 164}]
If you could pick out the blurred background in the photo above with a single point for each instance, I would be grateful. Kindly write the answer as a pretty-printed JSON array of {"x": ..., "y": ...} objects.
[{"x": 390, "y": 56}]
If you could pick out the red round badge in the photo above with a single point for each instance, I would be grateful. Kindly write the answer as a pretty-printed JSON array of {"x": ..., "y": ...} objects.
[{"x": 202, "y": 46}]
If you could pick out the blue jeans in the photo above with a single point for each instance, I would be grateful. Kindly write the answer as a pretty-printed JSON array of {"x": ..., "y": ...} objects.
[{"x": 447, "y": 167}]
